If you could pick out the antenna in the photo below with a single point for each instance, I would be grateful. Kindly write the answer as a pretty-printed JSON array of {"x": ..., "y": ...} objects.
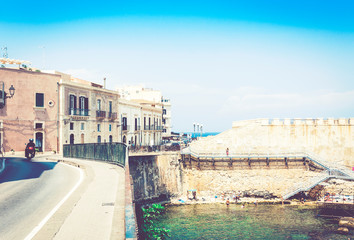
[{"x": 4, "y": 55}]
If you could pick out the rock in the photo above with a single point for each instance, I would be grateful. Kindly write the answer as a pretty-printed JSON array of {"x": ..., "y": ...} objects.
[
  {"x": 343, "y": 230},
  {"x": 346, "y": 222}
]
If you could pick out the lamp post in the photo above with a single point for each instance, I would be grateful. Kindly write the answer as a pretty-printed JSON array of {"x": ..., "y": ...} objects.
[
  {"x": 201, "y": 130},
  {"x": 193, "y": 130},
  {"x": 3, "y": 94}
]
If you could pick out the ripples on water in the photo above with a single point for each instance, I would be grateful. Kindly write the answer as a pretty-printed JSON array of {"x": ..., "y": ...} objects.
[{"x": 217, "y": 221}]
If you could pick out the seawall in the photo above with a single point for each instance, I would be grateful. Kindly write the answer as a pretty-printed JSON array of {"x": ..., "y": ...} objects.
[{"x": 164, "y": 176}]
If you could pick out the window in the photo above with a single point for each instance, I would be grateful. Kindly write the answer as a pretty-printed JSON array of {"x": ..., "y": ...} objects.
[
  {"x": 98, "y": 127},
  {"x": 110, "y": 138},
  {"x": 164, "y": 111},
  {"x": 83, "y": 106},
  {"x": 98, "y": 104},
  {"x": 98, "y": 139},
  {"x": 39, "y": 125},
  {"x": 136, "y": 124},
  {"x": 39, "y": 99},
  {"x": 125, "y": 123},
  {"x": 82, "y": 126},
  {"x": 110, "y": 127},
  {"x": 71, "y": 126},
  {"x": 110, "y": 106},
  {"x": 72, "y": 104}
]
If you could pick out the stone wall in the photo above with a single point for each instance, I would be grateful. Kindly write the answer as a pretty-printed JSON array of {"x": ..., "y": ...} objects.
[
  {"x": 155, "y": 177},
  {"x": 163, "y": 176},
  {"x": 332, "y": 139}
]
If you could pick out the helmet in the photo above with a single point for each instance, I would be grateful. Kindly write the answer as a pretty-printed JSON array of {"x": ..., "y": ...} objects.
[{"x": 31, "y": 140}]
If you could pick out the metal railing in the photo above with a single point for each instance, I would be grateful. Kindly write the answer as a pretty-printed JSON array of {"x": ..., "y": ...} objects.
[
  {"x": 331, "y": 170},
  {"x": 78, "y": 112},
  {"x": 100, "y": 114},
  {"x": 112, "y": 115},
  {"x": 107, "y": 152},
  {"x": 307, "y": 185},
  {"x": 125, "y": 127}
]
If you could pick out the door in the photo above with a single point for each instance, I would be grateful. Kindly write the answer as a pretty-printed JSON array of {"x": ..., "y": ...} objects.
[{"x": 39, "y": 141}]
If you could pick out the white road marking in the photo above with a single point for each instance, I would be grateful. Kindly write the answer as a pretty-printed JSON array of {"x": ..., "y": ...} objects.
[{"x": 51, "y": 213}]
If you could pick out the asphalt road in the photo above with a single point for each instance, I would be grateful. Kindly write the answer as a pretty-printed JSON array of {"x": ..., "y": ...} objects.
[{"x": 29, "y": 190}]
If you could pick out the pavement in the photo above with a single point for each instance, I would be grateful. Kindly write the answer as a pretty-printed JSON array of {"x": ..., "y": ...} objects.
[{"x": 100, "y": 208}]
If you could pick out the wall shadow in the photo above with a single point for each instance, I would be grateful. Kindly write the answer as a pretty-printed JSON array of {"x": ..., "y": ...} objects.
[{"x": 21, "y": 169}]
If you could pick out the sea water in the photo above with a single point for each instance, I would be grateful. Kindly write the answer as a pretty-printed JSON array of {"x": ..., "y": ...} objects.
[{"x": 219, "y": 221}]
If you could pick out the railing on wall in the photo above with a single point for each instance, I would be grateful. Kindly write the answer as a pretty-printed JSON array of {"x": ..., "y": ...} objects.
[{"x": 108, "y": 152}]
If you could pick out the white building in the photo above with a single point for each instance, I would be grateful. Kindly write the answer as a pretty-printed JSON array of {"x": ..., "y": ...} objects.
[{"x": 154, "y": 98}]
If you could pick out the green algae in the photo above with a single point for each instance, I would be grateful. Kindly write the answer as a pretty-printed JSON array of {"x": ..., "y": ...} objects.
[{"x": 217, "y": 221}]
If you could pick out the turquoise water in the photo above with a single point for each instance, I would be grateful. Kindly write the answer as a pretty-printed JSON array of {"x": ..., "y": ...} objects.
[{"x": 217, "y": 221}]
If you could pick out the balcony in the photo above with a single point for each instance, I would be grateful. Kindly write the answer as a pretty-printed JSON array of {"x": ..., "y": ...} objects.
[
  {"x": 100, "y": 114},
  {"x": 78, "y": 112},
  {"x": 125, "y": 127},
  {"x": 112, "y": 115}
]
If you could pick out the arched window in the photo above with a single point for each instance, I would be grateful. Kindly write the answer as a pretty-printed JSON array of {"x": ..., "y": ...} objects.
[
  {"x": 124, "y": 139},
  {"x": 98, "y": 138},
  {"x": 110, "y": 138}
]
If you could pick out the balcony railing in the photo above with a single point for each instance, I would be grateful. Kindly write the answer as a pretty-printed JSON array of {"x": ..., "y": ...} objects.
[
  {"x": 137, "y": 128},
  {"x": 100, "y": 114},
  {"x": 125, "y": 127},
  {"x": 78, "y": 112},
  {"x": 153, "y": 127},
  {"x": 112, "y": 115},
  {"x": 159, "y": 128}
]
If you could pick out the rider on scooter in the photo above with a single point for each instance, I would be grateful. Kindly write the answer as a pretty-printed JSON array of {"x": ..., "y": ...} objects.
[{"x": 30, "y": 147}]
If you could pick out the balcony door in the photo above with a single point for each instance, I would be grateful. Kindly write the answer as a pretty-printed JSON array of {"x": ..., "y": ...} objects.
[{"x": 72, "y": 107}]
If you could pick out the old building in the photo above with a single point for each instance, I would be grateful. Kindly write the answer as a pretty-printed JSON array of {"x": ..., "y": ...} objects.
[
  {"x": 88, "y": 113},
  {"x": 160, "y": 124},
  {"x": 55, "y": 108},
  {"x": 31, "y": 112}
]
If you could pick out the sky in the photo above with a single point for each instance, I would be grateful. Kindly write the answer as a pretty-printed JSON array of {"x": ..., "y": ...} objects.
[{"x": 217, "y": 61}]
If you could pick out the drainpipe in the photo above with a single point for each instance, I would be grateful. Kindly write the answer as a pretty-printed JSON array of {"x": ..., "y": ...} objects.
[{"x": 58, "y": 118}]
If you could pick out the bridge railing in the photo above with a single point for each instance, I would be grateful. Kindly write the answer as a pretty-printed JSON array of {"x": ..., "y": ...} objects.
[{"x": 108, "y": 152}]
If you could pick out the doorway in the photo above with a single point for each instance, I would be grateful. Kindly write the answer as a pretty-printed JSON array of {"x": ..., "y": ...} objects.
[{"x": 39, "y": 141}]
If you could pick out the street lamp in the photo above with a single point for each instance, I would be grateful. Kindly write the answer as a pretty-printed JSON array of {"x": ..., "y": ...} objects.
[
  {"x": 194, "y": 130},
  {"x": 12, "y": 91},
  {"x": 201, "y": 130},
  {"x": 3, "y": 93}
]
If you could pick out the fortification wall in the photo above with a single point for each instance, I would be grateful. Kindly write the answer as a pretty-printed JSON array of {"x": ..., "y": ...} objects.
[
  {"x": 155, "y": 177},
  {"x": 332, "y": 139},
  {"x": 164, "y": 176}
]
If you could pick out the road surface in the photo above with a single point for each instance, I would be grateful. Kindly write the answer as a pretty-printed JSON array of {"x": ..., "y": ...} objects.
[{"x": 29, "y": 190}]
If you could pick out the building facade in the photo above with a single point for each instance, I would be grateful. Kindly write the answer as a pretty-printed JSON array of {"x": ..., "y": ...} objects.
[
  {"x": 154, "y": 99},
  {"x": 89, "y": 113},
  {"x": 55, "y": 108},
  {"x": 31, "y": 112}
]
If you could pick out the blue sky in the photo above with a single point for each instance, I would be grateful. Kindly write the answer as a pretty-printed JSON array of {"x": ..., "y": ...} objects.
[{"x": 218, "y": 61}]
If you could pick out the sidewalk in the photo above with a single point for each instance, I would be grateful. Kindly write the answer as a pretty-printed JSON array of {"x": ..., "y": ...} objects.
[{"x": 96, "y": 210}]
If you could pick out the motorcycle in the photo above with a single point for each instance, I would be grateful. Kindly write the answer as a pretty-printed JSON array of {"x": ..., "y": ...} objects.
[{"x": 30, "y": 152}]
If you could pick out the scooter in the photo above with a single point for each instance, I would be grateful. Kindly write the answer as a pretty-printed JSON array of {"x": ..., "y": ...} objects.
[{"x": 30, "y": 152}]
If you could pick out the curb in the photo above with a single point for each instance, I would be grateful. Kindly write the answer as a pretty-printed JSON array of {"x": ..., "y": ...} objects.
[{"x": 2, "y": 165}]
